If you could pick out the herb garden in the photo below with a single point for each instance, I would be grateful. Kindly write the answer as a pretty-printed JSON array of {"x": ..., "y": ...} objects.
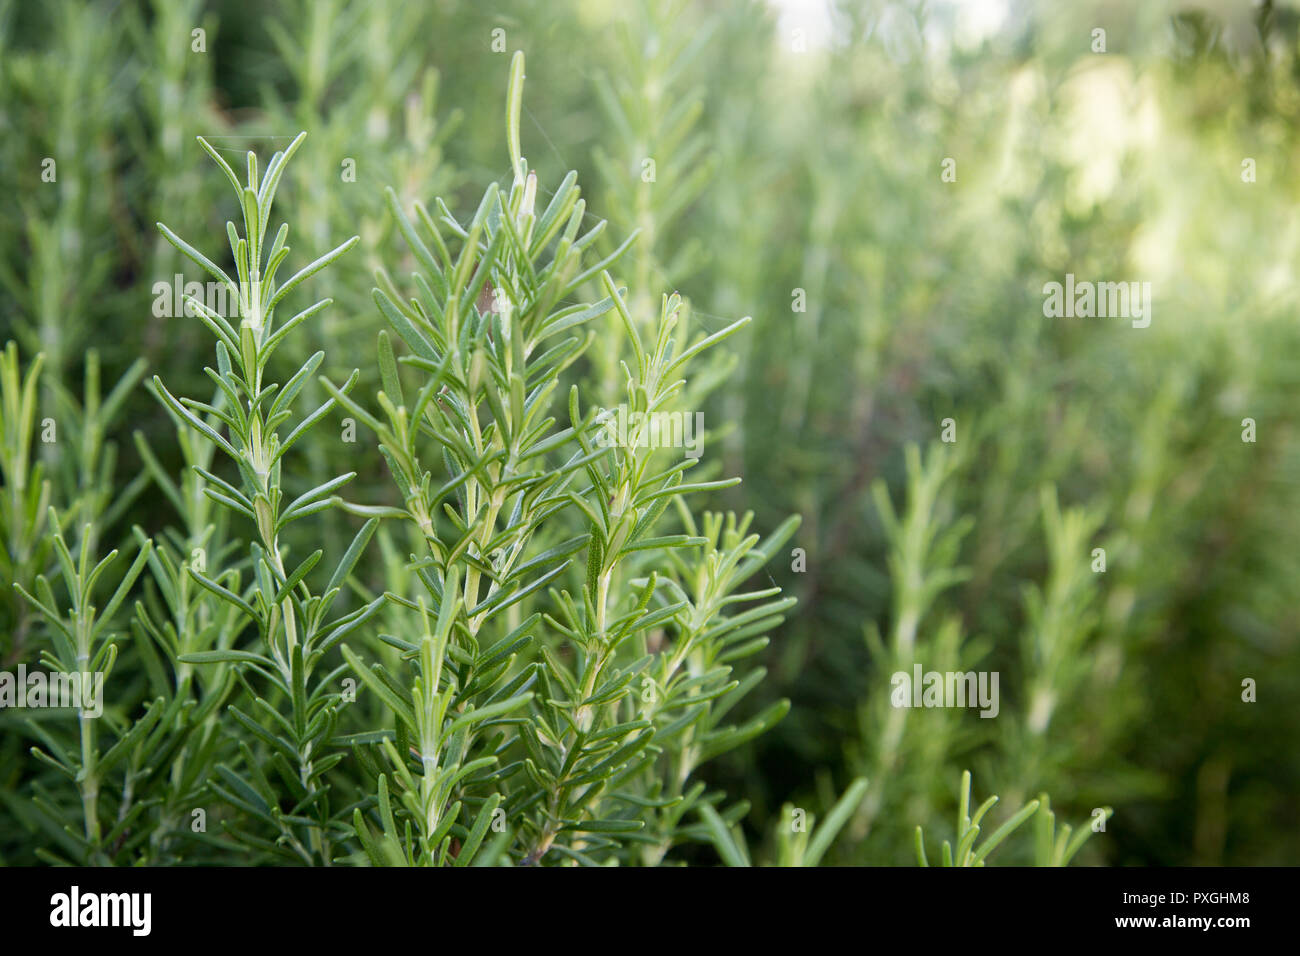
[{"x": 648, "y": 434}]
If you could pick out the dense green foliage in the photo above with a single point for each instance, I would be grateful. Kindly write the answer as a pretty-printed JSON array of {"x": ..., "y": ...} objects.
[{"x": 369, "y": 579}]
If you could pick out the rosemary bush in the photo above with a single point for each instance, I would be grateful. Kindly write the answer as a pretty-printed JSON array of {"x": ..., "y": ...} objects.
[
  {"x": 381, "y": 563},
  {"x": 563, "y": 668}
]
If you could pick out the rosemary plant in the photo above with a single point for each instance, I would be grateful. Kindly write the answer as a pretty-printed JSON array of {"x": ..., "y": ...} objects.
[
  {"x": 293, "y": 625},
  {"x": 575, "y": 707},
  {"x": 1051, "y": 848},
  {"x": 534, "y": 634},
  {"x": 79, "y": 646}
]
